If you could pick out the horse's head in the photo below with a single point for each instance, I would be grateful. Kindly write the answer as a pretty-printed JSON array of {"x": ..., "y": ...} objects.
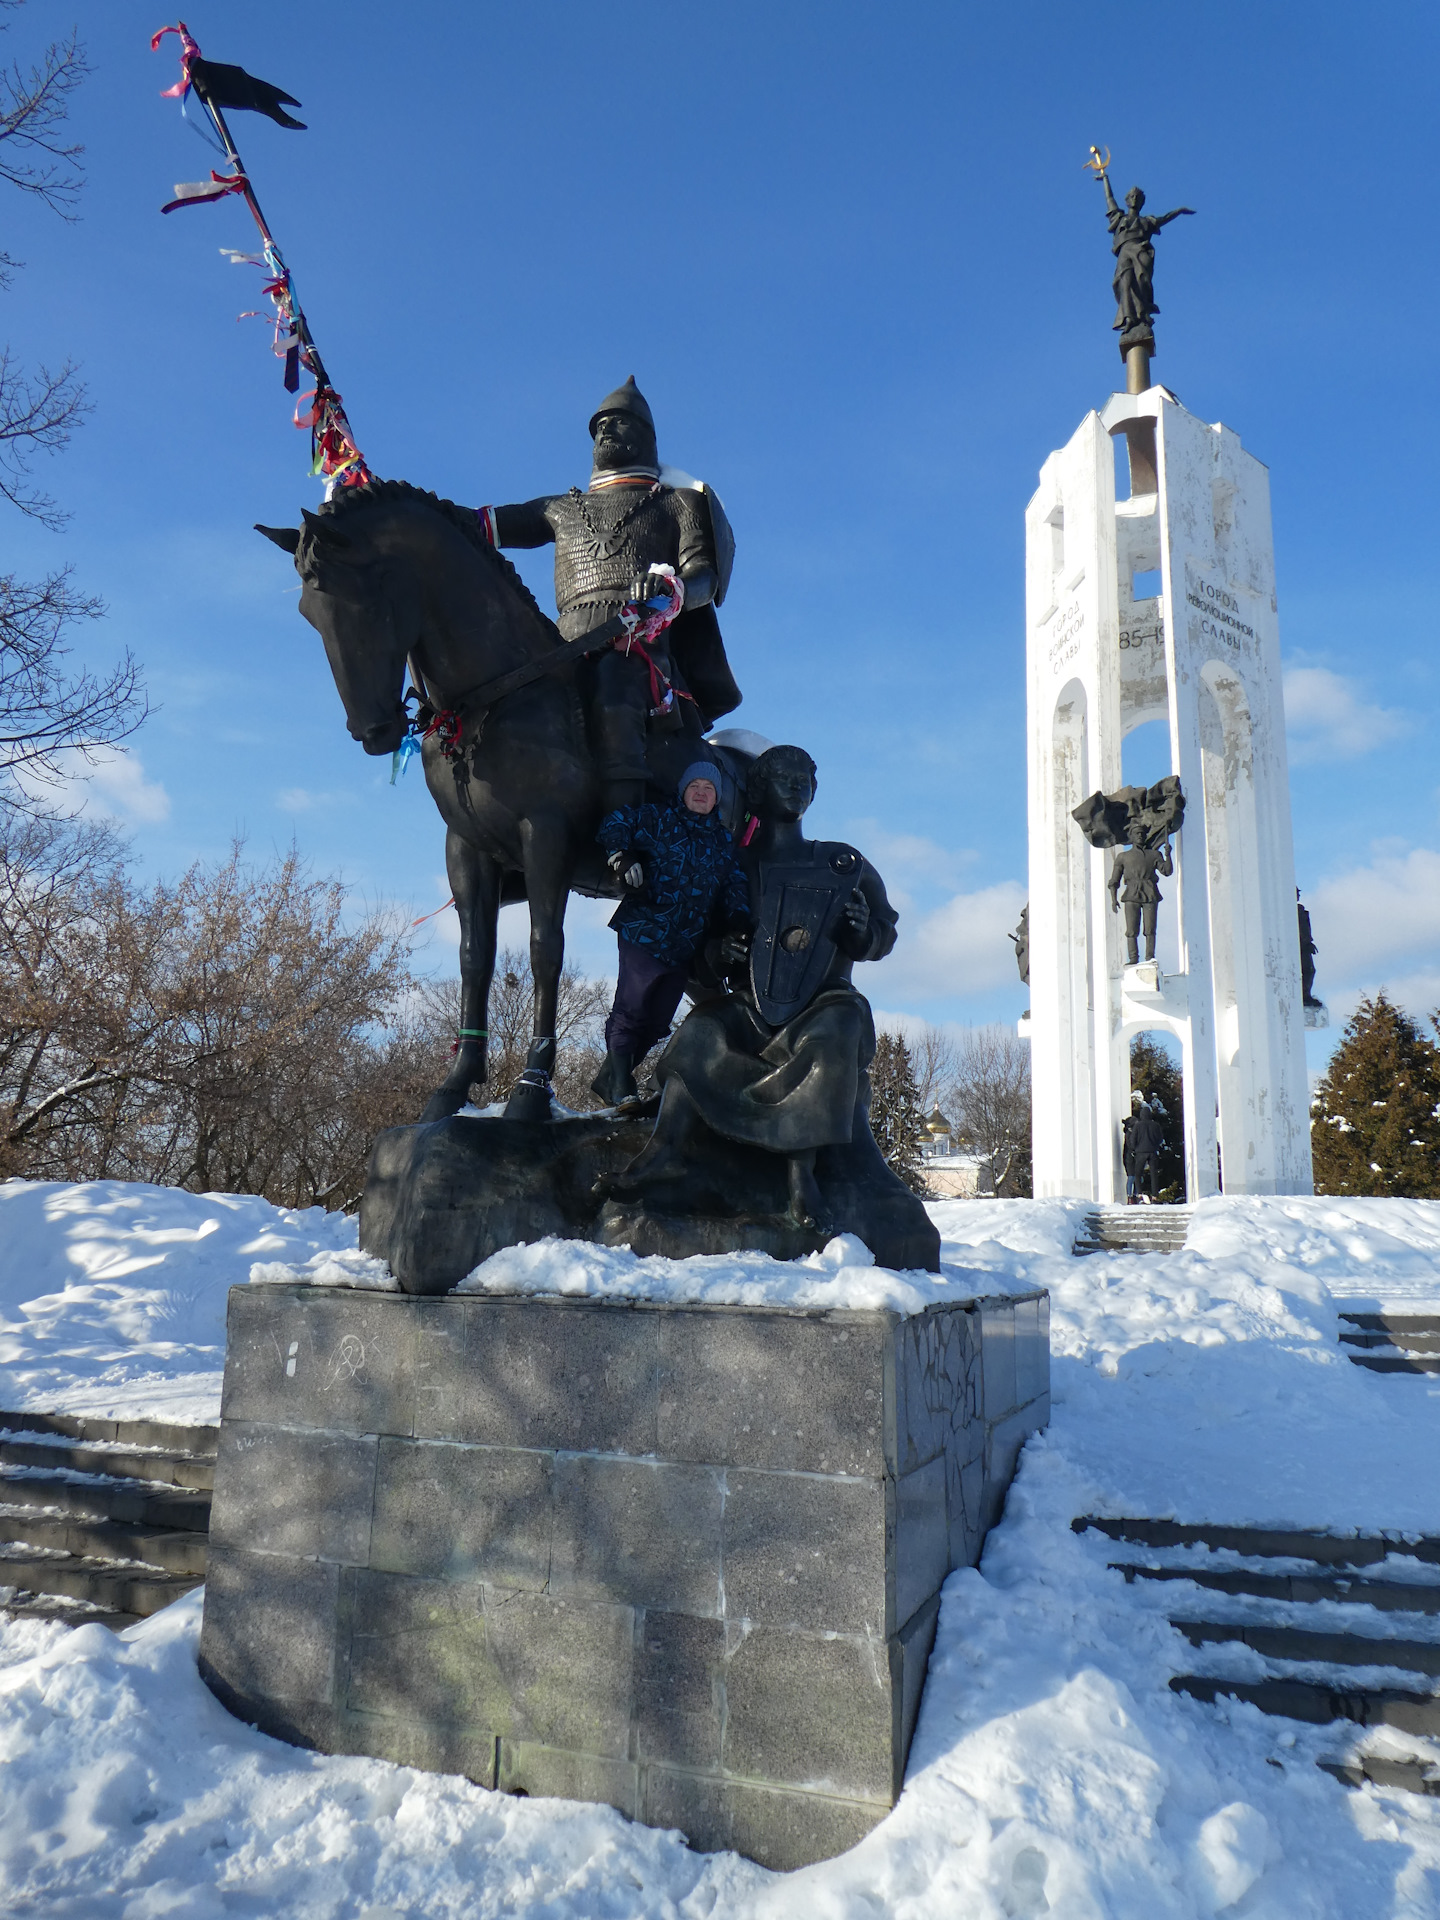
[{"x": 348, "y": 594}]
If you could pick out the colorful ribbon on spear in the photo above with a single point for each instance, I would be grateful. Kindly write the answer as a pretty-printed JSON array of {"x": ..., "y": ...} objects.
[{"x": 334, "y": 453}]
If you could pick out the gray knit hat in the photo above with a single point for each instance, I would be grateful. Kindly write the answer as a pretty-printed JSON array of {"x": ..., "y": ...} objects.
[{"x": 700, "y": 770}]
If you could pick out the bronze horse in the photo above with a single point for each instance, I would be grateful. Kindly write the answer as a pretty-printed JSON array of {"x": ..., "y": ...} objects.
[{"x": 392, "y": 575}]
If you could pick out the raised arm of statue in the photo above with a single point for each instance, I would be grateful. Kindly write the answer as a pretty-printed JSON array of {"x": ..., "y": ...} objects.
[
  {"x": 1112, "y": 205},
  {"x": 1164, "y": 219}
]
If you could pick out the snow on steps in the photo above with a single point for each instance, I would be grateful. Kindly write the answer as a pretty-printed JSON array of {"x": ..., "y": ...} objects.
[
  {"x": 1393, "y": 1342},
  {"x": 101, "y": 1519},
  {"x": 1311, "y": 1639},
  {"x": 1139, "y": 1229}
]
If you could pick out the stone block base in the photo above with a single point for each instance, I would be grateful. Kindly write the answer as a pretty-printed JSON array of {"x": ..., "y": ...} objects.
[{"x": 685, "y": 1560}]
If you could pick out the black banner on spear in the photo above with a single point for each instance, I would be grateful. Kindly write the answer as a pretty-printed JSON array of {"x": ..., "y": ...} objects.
[{"x": 335, "y": 457}]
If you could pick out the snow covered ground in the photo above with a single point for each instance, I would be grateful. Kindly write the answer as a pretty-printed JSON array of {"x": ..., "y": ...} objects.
[{"x": 1052, "y": 1770}]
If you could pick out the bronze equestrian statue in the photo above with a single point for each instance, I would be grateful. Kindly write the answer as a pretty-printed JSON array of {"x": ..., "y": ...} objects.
[{"x": 515, "y": 754}]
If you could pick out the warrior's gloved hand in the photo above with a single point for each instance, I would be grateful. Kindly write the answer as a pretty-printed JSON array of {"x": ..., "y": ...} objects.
[
  {"x": 735, "y": 949},
  {"x": 857, "y": 913}
]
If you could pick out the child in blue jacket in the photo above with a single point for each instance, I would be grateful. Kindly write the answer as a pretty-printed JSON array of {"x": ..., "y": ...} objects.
[{"x": 680, "y": 873}]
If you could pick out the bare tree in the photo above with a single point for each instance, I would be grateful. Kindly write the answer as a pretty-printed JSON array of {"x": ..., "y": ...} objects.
[
  {"x": 579, "y": 1015},
  {"x": 45, "y": 705},
  {"x": 934, "y": 1059},
  {"x": 990, "y": 1098},
  {"x": 202, "y": 1035}
]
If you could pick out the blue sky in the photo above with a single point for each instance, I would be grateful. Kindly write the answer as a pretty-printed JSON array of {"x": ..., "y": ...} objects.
[{"x": 853, "y": 260}]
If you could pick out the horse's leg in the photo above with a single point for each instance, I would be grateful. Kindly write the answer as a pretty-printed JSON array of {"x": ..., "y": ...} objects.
[
  {"x": 475, "y": 882},
  {"x": 547, "y": 880}
]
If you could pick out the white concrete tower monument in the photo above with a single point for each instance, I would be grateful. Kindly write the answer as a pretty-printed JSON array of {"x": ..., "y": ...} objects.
[{"x": 1202, "y": 654}]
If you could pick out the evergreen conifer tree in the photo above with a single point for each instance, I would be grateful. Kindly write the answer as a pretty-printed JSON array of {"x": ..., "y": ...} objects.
[
  {"x": 895, "y": 1116},
  {"x": 1373, "y": 1127},
  {"x": 1155, "y": 1075}
]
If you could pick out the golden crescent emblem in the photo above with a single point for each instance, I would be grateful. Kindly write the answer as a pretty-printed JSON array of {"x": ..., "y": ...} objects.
[{"x": 1096, "y": 165}]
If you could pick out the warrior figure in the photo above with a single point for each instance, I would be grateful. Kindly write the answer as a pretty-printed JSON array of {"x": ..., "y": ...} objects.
[
  {"x": 1021, "y": 940},
  {"x": 1132, "y": 234},
  {"x": 1137, "y": 867},
  {"x": 781, "y": 1062},
  {"x": 1308, "y": 951},
  {"x": 607, "y": 541}
]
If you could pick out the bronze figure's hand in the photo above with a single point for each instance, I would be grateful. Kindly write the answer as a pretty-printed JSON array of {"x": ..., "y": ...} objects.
[
  {"x": 857, "y": 911},
  {"x": 735, "y": 949}
]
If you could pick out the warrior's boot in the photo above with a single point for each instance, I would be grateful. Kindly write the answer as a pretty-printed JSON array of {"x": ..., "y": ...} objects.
[
  {"x": 621, "y": 702},
  {"x": 615, "y": 1082}
]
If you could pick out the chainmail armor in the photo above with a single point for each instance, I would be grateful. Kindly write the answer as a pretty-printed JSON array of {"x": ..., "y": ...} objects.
[{"x": 605, "y": 541}]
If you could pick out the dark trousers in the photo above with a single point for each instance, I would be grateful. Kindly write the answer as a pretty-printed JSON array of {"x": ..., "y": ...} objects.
[{"x": 646, "y": 995}]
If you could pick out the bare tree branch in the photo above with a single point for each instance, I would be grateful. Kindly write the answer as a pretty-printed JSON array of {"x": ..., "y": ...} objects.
[
  {"x": 37, "y": 415},
  {"x": 47, "y": 708},
  {"x": 34, "y": 106}
]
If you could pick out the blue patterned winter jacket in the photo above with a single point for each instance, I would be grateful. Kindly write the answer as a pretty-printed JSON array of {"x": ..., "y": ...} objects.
[{"x": 690, "y": 873}]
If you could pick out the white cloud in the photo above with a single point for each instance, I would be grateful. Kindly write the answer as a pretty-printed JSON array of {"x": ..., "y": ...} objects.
[
  {"x": 960, "y": 948},
  {"x": 910, "y": 861},
  {"x": 1327, "y": 719},
  {"x": 1378, "y": 921},
  {"x": 107, "y": 784}
]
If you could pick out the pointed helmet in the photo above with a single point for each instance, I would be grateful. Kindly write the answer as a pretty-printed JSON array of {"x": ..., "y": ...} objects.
[{"x": 626, "y": 399}]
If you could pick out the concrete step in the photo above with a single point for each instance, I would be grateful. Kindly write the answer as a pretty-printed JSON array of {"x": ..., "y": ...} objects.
[
  {"x": 1325, "y": 1549},
  {"x": 131, "y": 1503},
  {"x": 123, "y": 1587},
  {"x": 126, "y": 1433},
  {"x": 115, "y": 1462},
  {"x": 1312, "y": 1701},
  {"x": 68, "y": 1613},
  {"x": 1384, "y": 1770},
  {"x": 1318, "y": 1571},
  {"x": 1392, "y": 1342},
  {"x": 1305, "y": 1643},
  {"x": 1133, "y": 1230},
  {"x": 1390, "y": 1596},
  {"x": 101, "y": 1520},
  {"x": 167, "y": 1549},
  {"x": 1397, "y": 1325}
]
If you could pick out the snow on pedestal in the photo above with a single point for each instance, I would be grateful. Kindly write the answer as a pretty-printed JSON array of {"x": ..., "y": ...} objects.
[{"x": 1203, "y": 653}]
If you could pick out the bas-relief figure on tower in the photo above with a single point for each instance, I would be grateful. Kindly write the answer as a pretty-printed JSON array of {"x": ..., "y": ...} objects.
[
  {"x": 1308, "y": 951},
  {"x": 1140, "y": 822}
]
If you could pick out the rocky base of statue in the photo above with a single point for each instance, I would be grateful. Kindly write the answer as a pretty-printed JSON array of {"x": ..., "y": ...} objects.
[{"x": 441, "y": 1197}]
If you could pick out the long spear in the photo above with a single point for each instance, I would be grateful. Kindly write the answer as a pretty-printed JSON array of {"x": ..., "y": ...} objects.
[{"x": 334, "y": 453}]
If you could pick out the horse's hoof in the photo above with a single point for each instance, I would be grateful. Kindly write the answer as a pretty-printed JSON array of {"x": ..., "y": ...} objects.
[
  {"x": 443, "y": 1104},
  {"x": 528, "y": 1102}
]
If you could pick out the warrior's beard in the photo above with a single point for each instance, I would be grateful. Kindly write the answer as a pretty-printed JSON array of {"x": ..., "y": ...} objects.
[{"x": 627, "y": 448}]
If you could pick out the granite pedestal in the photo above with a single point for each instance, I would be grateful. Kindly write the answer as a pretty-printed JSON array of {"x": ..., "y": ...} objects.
[{"x": 682, "y": 1559}]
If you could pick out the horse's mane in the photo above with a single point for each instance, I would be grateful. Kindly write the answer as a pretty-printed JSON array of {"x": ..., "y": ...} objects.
[{"x": 346, "y": 498}]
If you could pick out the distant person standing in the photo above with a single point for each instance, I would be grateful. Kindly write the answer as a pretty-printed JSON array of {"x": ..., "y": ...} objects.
[{"x": 1147, "y": 1138}]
